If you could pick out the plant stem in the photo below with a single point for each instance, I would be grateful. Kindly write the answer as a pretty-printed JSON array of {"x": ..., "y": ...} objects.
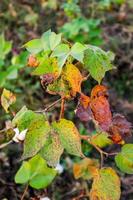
[
  {"x": 24, "y": 193},
  {"x": 88, "y": 139},
  {"x": 50, "y": 106},
  {"x": 62, "y": 108},
  {"x": 5, "y": 144},
  {"x": 86, "y": 77}
]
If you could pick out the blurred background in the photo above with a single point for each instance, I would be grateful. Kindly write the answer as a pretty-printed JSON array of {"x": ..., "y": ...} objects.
[{"x": 104, "y": 23}]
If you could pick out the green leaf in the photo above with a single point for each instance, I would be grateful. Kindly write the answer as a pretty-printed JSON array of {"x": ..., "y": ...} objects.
[
  {"x": 97, "y": 62},
  {"x": 69, "y": 136},
  {"x": 48, "y": 65},
  {"x": 38, "y": 130},
  {"x": 36, "y": 136},
  {"x": 3, "y": 76},
  {"x": 45, "y": 40},
  {"x": 23, "y": 174},
  {"x": 106, "y": 185},
  {"x": 52, "y": 150},
  {"x": 20, "y": 60},
  {"x": 62, "y": 52},
  {"x": 12, "y": 72},
  {"x": 124, "y": 159},
  {"x": 101, "y": 140},
  {"x": 18, "y": 116},
  {"x": 23, "y": 118},
  {"x": 34, "y": 46},
  {"x": 50, "y": 40},
  {"x": 60, "y": 87},
  {"x": 54, "y": 40},
  {"x": 1, "y": 63},
  {"x": 36, "y": 173},
  {"x": 7, "y": 99},
  {"x": 5, "y": 46},
  {"x": 77, "y": 51}
]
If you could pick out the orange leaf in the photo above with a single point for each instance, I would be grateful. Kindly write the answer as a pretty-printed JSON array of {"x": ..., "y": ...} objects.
[
  {"x": 32, "y": 61},
  {"x": 99, "y": 90},
  {"x": 84, "y": 100},
  {"x": 86, "y": 168}
]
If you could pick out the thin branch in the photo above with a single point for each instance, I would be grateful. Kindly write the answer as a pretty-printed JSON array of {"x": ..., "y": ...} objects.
[
  {"x": 86, "y": 77},
  {"x": 88, "y": 139},
  {"x": 62, "y": 108},
  {"x": 5, "y": 144},
  {"x": 24, "y": 193},
  {"x": 3, "y": 130},
  {"x": 50, "y": 106},
  {"x": 100, "y": 151},
  {"x": 67, "y": 42}
]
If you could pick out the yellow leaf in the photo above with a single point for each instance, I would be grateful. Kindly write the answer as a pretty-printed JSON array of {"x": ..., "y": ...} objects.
[
  {"x": 7, "y": 99},
  {"x": 74, "y": 78},
  {"x": 68, "y": 84},
  {"x": 106, "y": 185}
]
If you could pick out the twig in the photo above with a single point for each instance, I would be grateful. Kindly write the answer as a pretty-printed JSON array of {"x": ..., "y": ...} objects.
[
  {"x": 5, "y": 144},
  {"x": 100, "y": 151},
  {"x": 88, "y": 139},
  {"x": 62, "y": 108},
  {"x": 50, "y": 106},
  {"x": 24, "y": 193},
  {"x": 86, "y": 77},
  {"x": 3, "y": 130},
  {"x": 67, "y": 42}
]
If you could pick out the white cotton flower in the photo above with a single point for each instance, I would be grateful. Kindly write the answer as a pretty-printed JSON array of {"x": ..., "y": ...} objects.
[
  {"x": 22, "y": 135},
  {"x": 59, "y": 168},
  {"x": 45, "y": 198},
  {"x": 15, "y": 138},
  {"x": 19, "y": 136}
]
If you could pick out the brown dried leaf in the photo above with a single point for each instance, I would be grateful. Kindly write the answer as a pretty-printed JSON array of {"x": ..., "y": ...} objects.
[
  {"x": 47, "y": 79},
  {"x": 119, "y": 128},
  {"x": 101, "y": 111},
  {"x": 84, "y": 114},
  {"x": 100, "y": 107}
]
